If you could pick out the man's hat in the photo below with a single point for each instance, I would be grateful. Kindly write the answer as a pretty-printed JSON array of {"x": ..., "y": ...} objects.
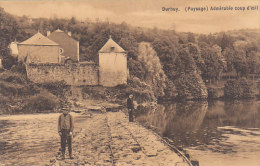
[{"x": 65, "y": 107}]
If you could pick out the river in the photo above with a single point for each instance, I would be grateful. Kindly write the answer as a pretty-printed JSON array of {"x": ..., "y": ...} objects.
[{"x": 216, "y": 134}]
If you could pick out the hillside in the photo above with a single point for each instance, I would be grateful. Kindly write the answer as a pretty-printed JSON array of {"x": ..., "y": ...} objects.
[
  {"x": 180, "y": 63},
  {"x": 18, "y": 95}
]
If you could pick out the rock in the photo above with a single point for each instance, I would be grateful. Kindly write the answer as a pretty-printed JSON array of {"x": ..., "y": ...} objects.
[
  {"x": 136, "y": 149},
  {"x": 52, "y": 160},
  {"x": 95, "y": 108}
]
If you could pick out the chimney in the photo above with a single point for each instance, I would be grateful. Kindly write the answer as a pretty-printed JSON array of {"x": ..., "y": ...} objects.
[
  {"x": 48, "y": 33},
  {"x": 69, "y": 33}
]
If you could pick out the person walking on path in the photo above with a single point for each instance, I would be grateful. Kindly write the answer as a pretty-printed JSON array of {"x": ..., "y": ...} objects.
[
  {"x": 65, "y": 129},
  {"x": 130, "y": 107}
]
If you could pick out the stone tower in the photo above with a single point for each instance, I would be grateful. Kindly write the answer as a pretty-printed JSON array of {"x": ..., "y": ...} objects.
[{"x": 112, "y": 64}]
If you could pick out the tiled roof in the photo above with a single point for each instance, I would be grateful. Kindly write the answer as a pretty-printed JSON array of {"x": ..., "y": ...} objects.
[
  {"x": 60, "y": 35},
  {"x": 58, "y": 30},
  {"x": 67, "y": 43},
  {"x": 111, "y": 46},
  {"x": 39, "y": 39}
]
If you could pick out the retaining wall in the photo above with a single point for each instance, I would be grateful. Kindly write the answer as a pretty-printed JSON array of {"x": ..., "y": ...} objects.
[{"x": 72, "y": 74}]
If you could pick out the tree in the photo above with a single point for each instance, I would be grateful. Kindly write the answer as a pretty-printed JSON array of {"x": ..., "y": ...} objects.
[
  {"x": 228, "y": 53},
  {"x": 241, "y": 64},
  {"x": 237, "y": 89},
  {"x": 240, "y": 45},
  {"x": 8, "y": 31},
  {"x": 195, "y": 52},
  {"x": 129, "y": 44},
  {"x": 191, "y": 37},
  {"x": 225, "y": 41},
  {"x": 187, "y": 80},
  {"x": 154, "y": 74},
  {"x": 190, "y": 86},
  {"x": 73, "y": 21},
  {"x": 214, "y": 62},
  {"x": 211, "y": 39},
  {"x": 253, "y": 61},
  {"x": 166, "y": 51},
  {"x": 184, "y": 62}
]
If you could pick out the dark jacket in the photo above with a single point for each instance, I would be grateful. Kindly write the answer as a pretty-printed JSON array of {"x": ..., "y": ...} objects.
[
  {"x": 65, "y": 122},
  {"x": 130, "y": 103}
]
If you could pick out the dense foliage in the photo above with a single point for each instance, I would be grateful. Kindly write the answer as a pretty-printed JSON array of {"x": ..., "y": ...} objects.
[
  {"x": 153, "y": 72},
  {"x": 238, "y": 89},
  {"x": 170, "y": 62},
  {"x": 8, "y": 32}
]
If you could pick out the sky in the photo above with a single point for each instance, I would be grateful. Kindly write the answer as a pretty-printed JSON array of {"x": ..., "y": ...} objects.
[{"x": 146, "y": 13}]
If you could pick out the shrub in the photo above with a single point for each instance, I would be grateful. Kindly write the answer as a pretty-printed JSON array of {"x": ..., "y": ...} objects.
[
  {"x": 8, "y": 61},
  {"x": 238, "y": 89},
  {"x": 190, "y": 86},
  {"x": 58, "y": 88},
  {"x": 19, "y": 68},
  {"x": 13, "y": 77},
  {"x": 13, "y": 84},
  {"x": 42, "y": 102},
  {"x": 212, "y": 93},
  {"x": 7, "y": 89},
  {"x": 170, "y": 90},
  {"x": 258, "y": 86},
  {"x": 142, "y": 91},
  {"x": 95, "y": 92}
]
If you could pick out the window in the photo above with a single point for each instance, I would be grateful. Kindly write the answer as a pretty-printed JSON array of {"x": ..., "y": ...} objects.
[
  {"x": 112, "y": 49},
  {"x": 61, "y": 51}
]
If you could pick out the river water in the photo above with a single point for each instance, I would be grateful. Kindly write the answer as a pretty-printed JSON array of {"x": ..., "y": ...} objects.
[{"x": 216, "y": 134}]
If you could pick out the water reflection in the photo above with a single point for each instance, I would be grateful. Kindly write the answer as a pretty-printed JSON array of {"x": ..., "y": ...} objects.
[{"x": 222, "y": 128}]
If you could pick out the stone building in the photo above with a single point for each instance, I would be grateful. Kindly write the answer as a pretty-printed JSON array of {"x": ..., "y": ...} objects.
[
  {"x": 39, "y": 49},
  {"x": 112, "y": 64},
  {"x": 44, "y": 62},
  {"x": 70, "y": 47}
]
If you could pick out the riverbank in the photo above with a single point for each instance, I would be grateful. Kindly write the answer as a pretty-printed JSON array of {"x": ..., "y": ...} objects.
[{"x": 109, "y": 139}]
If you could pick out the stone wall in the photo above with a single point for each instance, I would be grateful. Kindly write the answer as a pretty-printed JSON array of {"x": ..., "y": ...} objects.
[{"x": 72, "y": 74}]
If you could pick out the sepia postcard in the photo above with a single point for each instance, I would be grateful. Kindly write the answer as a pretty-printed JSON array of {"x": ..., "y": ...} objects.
[{"x": 130, "y": 82}]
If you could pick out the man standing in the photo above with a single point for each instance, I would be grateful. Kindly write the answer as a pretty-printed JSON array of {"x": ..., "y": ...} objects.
[
  {"x": 65, "y": 129},
  {"x": 130, "y": 106}
]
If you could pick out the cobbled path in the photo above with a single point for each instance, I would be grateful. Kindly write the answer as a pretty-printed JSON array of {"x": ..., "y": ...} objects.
[{"x": 109, "y": 139}]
